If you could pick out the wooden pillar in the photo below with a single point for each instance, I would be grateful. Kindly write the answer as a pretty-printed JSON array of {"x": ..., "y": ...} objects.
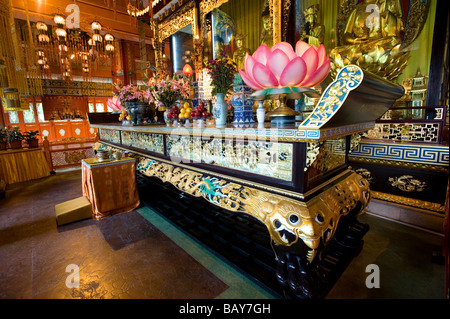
[
  {"x": 446, "y": 245},
  {"x": 123, "y": 52},
  {"x": 435, "y": 87},
  {"x": 47, "y": 154}
]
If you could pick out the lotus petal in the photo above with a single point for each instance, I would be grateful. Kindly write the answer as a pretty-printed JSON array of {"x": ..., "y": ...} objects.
[
  {"x": 294, "y": 73},
  {"x": 248, "y": 65},
  {"x": 311, "y": 59},
  {"x": 249, "y": 81},
  {"x": 263, "y": 76},
  {"x": 262, "y": 54},
  {"x": 286, "y": 48},
  {"x": 301, "y": 47},
  {"x": 322, "y": 53},
  {"x": 318, "y": 76},
  {"x": 278, "y": 60}
]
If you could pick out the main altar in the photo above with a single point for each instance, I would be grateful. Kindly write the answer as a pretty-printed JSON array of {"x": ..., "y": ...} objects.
[
  {"x": 295, "y": 180},
  {"x": 300, "y": 112}
]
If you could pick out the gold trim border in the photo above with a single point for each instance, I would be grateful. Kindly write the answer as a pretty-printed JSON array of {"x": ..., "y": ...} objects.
[
  {"x": 403, "y": 164},
  {"x": 417, "y": 203}
]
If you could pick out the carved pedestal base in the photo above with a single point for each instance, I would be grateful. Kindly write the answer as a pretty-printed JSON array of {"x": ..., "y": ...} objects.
[
  {"x": 314, "y": 240},
  {"x": 307, "y": 280}
]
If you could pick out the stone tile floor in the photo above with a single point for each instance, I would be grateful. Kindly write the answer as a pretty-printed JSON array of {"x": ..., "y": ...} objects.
[{"x": 137, "y": 255}]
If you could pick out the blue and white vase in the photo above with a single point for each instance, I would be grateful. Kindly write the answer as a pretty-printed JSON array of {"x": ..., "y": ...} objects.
[
  {"x": 242, "y": 102},
  {"x": 220, "y": 110}
]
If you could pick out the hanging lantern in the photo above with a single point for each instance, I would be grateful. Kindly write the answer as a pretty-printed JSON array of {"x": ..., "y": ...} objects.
[
  {"x": 43, "y": 38},
  {"x": 62, "y": 48},
  {"x": 187, "y": 70},
  {"x": 42, "y": 30},
  {"x": 109, "y": 39},
  {"x": 97, "y": 38},
  {"x": 96, "y": 27},
  {"x": 41, "y": 26},
  {"x": 59, "y": 20},
  {"x": 60, "y": 33}
]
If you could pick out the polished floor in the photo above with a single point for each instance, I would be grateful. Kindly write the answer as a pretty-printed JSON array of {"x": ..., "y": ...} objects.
[{"x": 142, "y": 255}]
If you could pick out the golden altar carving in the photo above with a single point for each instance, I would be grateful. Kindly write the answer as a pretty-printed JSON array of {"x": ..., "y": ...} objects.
[{"x": 376, "y": 37}]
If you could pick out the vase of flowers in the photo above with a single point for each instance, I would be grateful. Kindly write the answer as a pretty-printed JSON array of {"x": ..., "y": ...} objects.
[
  {"x": 222, "y": 71},
  {"x": 165, "y": 93},
  {"x": 135, "y": 100}
]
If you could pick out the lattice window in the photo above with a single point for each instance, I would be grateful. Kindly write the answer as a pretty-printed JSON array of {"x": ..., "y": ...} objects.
[
  {"x": 13, "y": 117},
  {"x": 99, "y": 107},
  {"x": 28, "y": 115},
  {"x": 40, "y": 112}
]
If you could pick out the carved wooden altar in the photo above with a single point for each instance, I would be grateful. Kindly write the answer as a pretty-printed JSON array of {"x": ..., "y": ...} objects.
[{"x": 295, "y": 181}]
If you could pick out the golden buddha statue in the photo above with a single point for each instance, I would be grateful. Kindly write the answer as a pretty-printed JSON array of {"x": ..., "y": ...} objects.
[
  {"x": 373, "y": 39},
  {"x": 239, "y": 54},
  {"x": 266, "y": 34},
  {"x": 314, "y": 33}
]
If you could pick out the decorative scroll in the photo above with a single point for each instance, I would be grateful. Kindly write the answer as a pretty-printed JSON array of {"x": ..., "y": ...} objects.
[{"x": 348, "y": 79}]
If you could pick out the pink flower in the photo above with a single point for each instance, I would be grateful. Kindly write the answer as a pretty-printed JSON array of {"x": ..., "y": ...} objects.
[
  {"x": 281, "y": 66},
  {"x": 114, "y": 104}
]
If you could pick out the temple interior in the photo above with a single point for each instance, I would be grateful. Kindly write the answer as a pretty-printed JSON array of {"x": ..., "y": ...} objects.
[{"x": 224, "y": 149}]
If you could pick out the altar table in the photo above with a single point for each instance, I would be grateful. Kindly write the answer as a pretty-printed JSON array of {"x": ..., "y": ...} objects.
[
  {"x": 110, "y": 186},
  {"x": 22, "y": 165}
]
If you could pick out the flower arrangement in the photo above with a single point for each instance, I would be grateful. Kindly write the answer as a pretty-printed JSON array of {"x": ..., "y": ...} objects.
[
  {"x": 165, "y": 92},
  {"x": 131, "y": 93},
  {"x": 115, "y": 104},
  {"x": 283, "y": 68},
  {"x": 222, "y": 71}
]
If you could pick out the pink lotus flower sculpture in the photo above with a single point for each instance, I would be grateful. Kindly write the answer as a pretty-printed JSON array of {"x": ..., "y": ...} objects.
[
  {"x": 282, "y": 70},
  {"x": 114, "y": 104}
]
